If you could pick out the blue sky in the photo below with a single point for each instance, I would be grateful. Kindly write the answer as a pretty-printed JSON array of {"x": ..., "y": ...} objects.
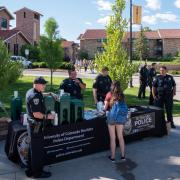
[{"x": 75, "y": 16}]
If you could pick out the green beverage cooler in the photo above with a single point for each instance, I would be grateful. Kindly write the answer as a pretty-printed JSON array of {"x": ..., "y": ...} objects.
[
  {"x": 49, "y": 103},
  {"x": 64, "y": 113},
  {"x": 77, "y": 110}
]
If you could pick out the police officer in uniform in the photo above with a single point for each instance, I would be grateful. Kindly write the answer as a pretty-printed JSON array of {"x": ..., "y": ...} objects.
[
  {"x": 73, "y": 85},
  {"x": 164, "y": 88},
  {"x": 101, "y": 85},
  {"x": 151, "y": 75},
  {"x": 36, "y": 114},
  {"x": 143, "y": 78}
]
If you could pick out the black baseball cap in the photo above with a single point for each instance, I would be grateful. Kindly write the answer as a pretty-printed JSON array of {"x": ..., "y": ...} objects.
[{"x": 40, "y": 80}]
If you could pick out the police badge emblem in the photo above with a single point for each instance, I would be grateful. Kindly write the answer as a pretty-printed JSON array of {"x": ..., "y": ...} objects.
[
  {"x": 36, "y": 101},
  {"x": 23, "y": 147}
]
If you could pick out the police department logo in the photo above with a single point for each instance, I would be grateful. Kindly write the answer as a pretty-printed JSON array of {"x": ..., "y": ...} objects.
[
  {"x": 23, "y": 147},
  {"x": 36, "y": 101}
]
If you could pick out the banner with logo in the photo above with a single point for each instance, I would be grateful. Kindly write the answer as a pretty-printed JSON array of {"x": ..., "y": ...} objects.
[
  {"x": 137, "y": 14},
  {"x": 140, "y": 123}
]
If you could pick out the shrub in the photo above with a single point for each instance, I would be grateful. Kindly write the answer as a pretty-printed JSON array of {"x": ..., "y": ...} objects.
[{"x": 61, "y": 65}]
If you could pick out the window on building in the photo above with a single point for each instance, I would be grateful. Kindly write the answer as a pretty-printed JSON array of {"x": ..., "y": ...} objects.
[
  {"x": 36, "y": 16},
  {"x": 98, "y": 40},
  {"x": 105, "y": 40},
  {"x": 4, "y": 23},
  {"x": 100, "y": 49},
  {"x": 16, "y": 49},
  {"x": 24, "y": 14},
  {"x": 9, "y": 47}
]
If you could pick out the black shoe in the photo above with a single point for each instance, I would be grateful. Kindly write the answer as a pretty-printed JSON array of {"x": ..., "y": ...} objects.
[
  {"x": 112, "y": 159},
  {"x": 123, "y": 158},
  {"x": 28, "y": 173},
  {"x": 173, "y": 126},
  {"x": 43, "y": 174}
]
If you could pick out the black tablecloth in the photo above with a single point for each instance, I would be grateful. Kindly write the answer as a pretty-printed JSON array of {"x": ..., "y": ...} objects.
[{"x": 87, "y": 137}]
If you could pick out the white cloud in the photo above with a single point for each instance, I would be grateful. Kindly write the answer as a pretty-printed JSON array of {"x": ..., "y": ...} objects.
[
  {"x": 104, "y": 5},
  {"x": 160, "y": 17},
  {"x": 167, "y": 17},
  {"x": 177, "y": 3},
  {"x": 88, "y": 23},
  {"x": 149, "y": 19},
  {"x": 146, "y": 11},
  {"x": 153, "y": 4},
  {"x": 103, "y": 20},
  {"x": 136, "y": 27}
]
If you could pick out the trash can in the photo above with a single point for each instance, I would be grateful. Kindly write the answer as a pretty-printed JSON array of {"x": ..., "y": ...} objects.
[{"x": 77, "y": 110}]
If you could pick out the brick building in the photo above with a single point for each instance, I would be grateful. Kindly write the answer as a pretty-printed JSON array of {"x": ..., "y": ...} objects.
[
  {"x": 27, "y": 29},
  {"x": 70, "y": 50},
  {"x": 28, "y": 21},
  {"x": 161, "y": 42},
  {"x": 91, "y": 41}
]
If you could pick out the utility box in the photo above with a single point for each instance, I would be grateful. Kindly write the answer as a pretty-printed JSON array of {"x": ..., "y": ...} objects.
[
  {"x": 77, "y": 110},
  {"x": 16, "y": 108},
  {"x": 64, "y": 113},
  {"x": 49, "y": 103}
]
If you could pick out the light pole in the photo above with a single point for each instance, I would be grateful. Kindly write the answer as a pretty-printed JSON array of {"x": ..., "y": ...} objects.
[{"x": 130, "y": 39}]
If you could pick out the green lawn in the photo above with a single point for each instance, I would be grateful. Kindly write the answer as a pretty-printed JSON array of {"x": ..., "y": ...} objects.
[{"x": 25, "y": 83}]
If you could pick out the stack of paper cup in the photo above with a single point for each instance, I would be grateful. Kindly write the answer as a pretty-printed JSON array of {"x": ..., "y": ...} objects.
[
  {"x": 61, "y": 92},
  {"x": 25, "y": 117}
]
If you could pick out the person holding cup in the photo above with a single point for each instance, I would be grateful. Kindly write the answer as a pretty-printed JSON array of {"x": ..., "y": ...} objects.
[
  {"x": 36, "y": 115},
  {"x": 73, "y": 85}
]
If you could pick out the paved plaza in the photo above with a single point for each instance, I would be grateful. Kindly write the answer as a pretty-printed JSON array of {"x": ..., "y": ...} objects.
[{"x": 149, "y": 159}]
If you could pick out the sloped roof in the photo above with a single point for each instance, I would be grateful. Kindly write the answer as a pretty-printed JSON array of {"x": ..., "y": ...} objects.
[
  {"x": 94, "y": 34},
  {"x": 159, "y": 34},
  {"x": 169, "y": 33},
  {"x": 6, "y": 34},
  {"x": 67, "y": 44},
  {"x": 148, "y": 34},
  {"x": 28, "y": 10},
  {"x": 4, "y": 8}
]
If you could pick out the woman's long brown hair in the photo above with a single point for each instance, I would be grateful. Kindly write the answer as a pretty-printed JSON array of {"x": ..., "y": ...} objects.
[{"x": 117, "y": 93}]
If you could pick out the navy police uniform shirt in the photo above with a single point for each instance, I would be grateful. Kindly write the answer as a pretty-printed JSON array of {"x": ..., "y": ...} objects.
[
  {"x": 103, "y": 86},
  {"x": 151, "y": 75},
  {"x": 164, "y": 84},
  {"x": 34, "y": 102},
  {"x": 143, "y": 74},
  {"x": 70, "y": 86}
]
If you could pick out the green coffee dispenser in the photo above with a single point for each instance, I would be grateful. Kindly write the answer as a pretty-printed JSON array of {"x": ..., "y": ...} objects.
[
  {"x": 64, "y": 113},
  {"x": 77, "y": 110},
  {"x": 16, "y": 107},
  {"x": 49, "y": 103}
]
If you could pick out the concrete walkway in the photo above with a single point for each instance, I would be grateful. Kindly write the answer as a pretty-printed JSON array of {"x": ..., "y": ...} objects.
[{"x": 148, "y": 159}]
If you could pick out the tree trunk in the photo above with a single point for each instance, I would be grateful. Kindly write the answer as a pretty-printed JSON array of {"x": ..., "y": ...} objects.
[{"x": 51, "y": 78}]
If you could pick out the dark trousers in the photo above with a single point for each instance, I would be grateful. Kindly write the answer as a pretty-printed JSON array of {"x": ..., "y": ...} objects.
[
  {"x": 151, "y": 99},
  {"x": 36, "y": 151},
  {"x": 167, "y": 101},
  {"x": 142, "y": 89}
]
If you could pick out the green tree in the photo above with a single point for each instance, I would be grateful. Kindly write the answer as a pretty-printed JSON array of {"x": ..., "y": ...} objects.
[
  {"x": 50, "y": 46},
  {"x": 34, "y": 52},
  {"x": 115, "y": 56},
  {"x": 141, "y": 46},
  {"x": 9, "y": 71}
]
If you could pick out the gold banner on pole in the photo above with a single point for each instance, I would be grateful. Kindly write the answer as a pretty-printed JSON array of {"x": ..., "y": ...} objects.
[{"x": 137, "y": 14}]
